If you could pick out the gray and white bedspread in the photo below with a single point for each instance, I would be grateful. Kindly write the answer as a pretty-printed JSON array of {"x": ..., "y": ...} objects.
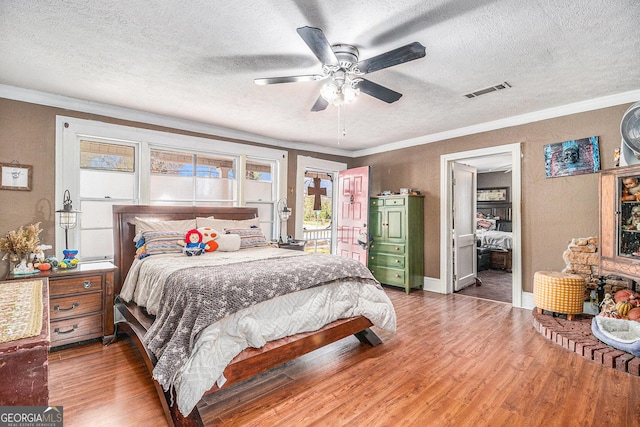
[
  {"x": 285, "y": 315},
  {"x": 499, "y": 240},
  {"x": 196, "y": 297}
]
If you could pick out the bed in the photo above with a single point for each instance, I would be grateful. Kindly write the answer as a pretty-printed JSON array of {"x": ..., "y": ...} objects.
[
  {"x": 223, "y": 346},
  {"x": 494, "y": 234}
]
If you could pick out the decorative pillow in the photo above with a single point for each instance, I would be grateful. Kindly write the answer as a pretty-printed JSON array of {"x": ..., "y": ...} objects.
[
  {"x": 249, "y": 237},
  {"x": 221, "y": 224},
  {"x": 183, "y": 225},
  {"x": 228, "y": 242},
  {"x": 209, "y": 236},
  {"x": 162, "y": 242}
]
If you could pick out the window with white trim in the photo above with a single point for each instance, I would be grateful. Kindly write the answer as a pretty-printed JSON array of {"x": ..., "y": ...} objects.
[{"x": 104, "y": 164}]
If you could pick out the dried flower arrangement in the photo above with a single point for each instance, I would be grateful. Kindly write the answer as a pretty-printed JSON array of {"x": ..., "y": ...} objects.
[{"x": 21, "y": 242}]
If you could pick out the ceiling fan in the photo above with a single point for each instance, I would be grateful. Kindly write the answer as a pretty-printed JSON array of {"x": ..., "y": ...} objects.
[{"x": 340, "y": 66}]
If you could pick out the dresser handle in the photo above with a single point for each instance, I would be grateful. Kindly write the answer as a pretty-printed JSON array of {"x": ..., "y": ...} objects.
[
  {"x": 59, "y": 332},
  {"x": 87, "y": 284},
  {"x": 74, "y": 305}
]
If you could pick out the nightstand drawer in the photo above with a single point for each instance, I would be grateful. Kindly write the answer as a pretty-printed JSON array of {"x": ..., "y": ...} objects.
[
  {"x": 75, "y": 285},
  {"x": 76, "y": 329},
  {"x": 75, "y": 305},
  {"x": 386, "y": 260}
]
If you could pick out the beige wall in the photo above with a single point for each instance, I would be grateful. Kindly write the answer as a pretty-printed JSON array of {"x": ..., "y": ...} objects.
[{"x": 553, "y": 210}]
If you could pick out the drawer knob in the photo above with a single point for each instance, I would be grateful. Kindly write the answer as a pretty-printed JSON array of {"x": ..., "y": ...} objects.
[
  {"x": 74, "y": 305},
  {"x": 397, "y": 248},
  {"x": 59, "y": 332},
  {"x": 87, "y": 284},
  {"x": 397, "y": 261},
  {"x": 397, "y": 275},
  {"x": 373, "y": 257}
]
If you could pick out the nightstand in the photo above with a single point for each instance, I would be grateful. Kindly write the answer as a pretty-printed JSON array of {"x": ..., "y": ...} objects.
[
  {"x": 295, "y": 245},
  {"x": 80, "y": 302}
]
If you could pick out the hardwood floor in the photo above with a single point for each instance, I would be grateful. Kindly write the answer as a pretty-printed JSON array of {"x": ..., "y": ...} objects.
[{"x": 455, "y": 361}]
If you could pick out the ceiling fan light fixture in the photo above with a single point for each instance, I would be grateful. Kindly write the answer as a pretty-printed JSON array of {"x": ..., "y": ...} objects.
[{"x": 339, "y": 91}]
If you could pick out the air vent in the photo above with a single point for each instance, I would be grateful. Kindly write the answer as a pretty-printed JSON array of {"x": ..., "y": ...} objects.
[{"x": 489, "y": 89}]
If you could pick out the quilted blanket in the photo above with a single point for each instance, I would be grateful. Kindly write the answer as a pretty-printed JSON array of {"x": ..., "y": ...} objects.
[{"x": 197, "y": 297}]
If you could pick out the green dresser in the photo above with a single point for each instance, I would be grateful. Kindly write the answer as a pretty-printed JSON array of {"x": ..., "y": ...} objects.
[{"x": 396, "y": 256}]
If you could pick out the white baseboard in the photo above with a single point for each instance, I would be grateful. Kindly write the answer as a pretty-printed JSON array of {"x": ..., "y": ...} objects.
[{"x": 432, "y": 284}]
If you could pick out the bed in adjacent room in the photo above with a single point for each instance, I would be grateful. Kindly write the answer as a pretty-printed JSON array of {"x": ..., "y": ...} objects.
[
  {"x": 494, "y": 236},
  {"x": 211, "y": 320}
]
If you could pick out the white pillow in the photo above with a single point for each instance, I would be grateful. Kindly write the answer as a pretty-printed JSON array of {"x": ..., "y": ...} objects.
[
  {"x": 221, "y": 224},
  {"x": 174, "y": 225},
  {"x": 228, "y": 242}
]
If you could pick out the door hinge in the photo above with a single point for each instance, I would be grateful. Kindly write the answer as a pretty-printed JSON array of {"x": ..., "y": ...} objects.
[{"x": 454, "y": 278}]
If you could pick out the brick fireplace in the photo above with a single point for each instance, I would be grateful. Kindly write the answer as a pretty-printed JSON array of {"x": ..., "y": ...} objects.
[{"x": 581, "y": 257}]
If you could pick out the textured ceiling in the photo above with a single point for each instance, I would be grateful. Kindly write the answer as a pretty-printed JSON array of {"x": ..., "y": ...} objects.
[{"x": 196, "y": 60}]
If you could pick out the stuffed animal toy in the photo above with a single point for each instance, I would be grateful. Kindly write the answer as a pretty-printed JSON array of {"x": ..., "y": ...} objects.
[
  {"x": 209, "y": 236},
  {"x": 70, "y": 260},
  {"x": 192, "y": 244}
]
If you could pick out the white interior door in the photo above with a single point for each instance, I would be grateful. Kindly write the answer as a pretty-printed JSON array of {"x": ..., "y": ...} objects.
[{"x": 464, "y": 226}]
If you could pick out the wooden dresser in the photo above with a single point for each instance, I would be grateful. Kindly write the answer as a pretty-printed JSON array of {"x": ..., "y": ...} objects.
[
  {"x": 396, "y": 256},
  {"x": 24, "y": 363},
  {"x": 80, "y": 302}
]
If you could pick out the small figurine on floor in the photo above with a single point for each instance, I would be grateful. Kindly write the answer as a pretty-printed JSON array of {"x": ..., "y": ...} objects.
[
  {"x": 193, "y": 243},
  {"x": 608, "y": 307}
]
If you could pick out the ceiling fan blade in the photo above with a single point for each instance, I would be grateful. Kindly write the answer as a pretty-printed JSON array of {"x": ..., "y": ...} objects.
[
  {"x": 320, "y": 104},
  {"x": 394, "y": 57},
  {"x": 288, "y": 79},
  {"x": 317, "y": 42},
  {"x": 382, "y": 93}
]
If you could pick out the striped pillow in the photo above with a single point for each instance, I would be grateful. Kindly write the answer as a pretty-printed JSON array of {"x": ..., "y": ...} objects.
[
  {"x": 249, "y": 237},
  {"x": 162, "y": 242}
]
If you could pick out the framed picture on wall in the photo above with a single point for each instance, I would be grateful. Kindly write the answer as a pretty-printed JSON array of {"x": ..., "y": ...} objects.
[
  {"x": 495, "y": 194},
  {"x": 15, "y": 176}
]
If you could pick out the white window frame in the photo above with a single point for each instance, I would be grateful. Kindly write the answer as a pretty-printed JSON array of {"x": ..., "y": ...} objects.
[{"x": 70, "y": 130}]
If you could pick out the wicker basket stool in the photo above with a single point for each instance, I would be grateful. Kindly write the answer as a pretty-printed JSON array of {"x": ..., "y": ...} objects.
[{"x": 558, "y": 292}]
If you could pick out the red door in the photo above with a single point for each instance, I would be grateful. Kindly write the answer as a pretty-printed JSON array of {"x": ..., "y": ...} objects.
[{"x": 353, "y": 212}]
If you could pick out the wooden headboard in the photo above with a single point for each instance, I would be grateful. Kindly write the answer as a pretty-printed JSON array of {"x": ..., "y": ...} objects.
[{"x": 124, "y": 220}]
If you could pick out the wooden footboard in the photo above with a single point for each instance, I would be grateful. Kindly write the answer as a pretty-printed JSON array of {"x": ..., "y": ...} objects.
[{"x": 248, "y": 363}]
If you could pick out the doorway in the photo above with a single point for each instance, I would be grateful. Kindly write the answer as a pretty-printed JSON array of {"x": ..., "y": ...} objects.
[
  {"x": 316, "y": 226},
  {"x": 511, "y": 152}
]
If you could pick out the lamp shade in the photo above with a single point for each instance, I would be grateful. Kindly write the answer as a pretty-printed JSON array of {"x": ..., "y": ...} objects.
[{"x": 68, "y": 215}]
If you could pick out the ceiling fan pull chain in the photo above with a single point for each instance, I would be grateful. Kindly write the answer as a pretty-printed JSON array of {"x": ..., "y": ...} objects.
[{"x": 342, "y": 127}]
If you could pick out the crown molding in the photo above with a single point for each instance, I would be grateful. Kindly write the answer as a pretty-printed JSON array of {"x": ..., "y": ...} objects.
[
  {"x": 84, "y": 106},
  {"x": 80, "y": 105},
  {"x": 536, "y": 116}
]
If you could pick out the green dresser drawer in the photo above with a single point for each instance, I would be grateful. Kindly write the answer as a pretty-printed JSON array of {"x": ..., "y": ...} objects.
[
  {"x": 389, "y": 248},
  {"x": 394, "y": 201},
  {"x": 386, "y": 260},
  {"x": 389, "y": 201},
  {"x": 388, "y": 276}
]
